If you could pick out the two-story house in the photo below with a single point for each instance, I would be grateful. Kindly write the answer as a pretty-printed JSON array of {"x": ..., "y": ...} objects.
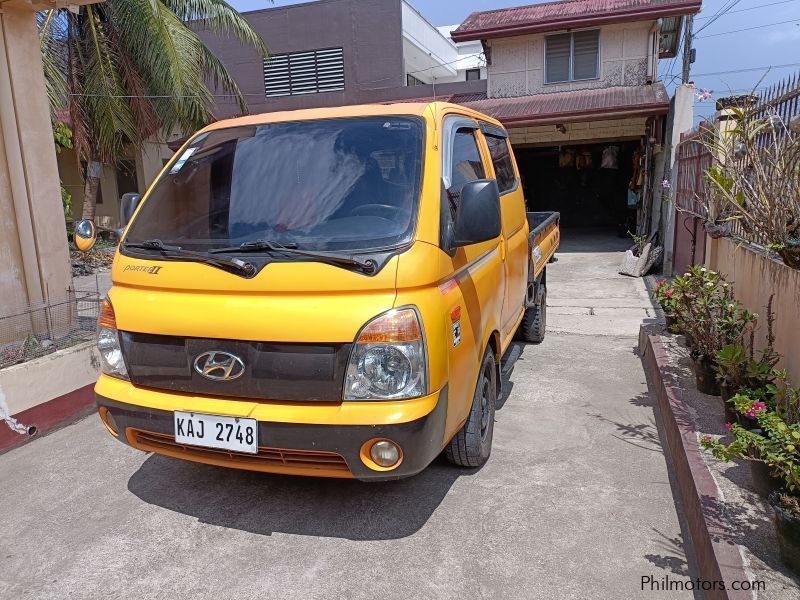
[{"x": 576, "y": 84}]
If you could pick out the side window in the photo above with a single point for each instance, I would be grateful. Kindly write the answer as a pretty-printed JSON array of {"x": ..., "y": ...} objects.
[
  {"x": 501, "y": 159},
  {"x": 467, "y": 164}
]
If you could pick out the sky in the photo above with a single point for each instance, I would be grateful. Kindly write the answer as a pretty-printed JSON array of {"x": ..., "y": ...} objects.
[{"x": 720, "y": 46}]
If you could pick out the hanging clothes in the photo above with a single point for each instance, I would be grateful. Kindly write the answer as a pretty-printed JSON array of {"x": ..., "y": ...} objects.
[
  {"x": 566, "y": 158},
  {"x": 584, "y": 160},
  {"x": 610, "y": 159}
]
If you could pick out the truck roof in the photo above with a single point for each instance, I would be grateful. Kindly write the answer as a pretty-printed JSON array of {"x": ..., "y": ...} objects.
[{"x": 357, "y": 110}]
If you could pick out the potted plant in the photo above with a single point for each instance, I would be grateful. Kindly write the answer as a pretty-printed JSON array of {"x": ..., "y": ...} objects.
[
  {"x": 638, "y": 260},
  {"x": 776, "y": 446},
  {"x": 713, "y": 319},
  {"x": 755, "y": 179},
  {"x": 664, "y": 295}
]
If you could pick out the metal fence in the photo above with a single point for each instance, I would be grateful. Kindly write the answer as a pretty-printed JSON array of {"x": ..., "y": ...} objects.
[{"x": 39, "y": 329}]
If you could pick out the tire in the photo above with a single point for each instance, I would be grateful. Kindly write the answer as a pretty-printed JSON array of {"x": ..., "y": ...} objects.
[
  {"x": 471, "y": 446},
  {"x": 534, "y": 323}
]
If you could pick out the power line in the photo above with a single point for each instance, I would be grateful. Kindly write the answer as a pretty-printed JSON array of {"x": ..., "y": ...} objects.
[
  {"x": 732, "y": 12},
  {"x": 723, "y": 9},
  {"x": 748, "y": 70},
  {"x": 796, "y": 20}
]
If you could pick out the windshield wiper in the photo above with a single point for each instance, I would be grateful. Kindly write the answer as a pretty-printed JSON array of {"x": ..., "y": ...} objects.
[
  {"x": 245, "y": 268},
  {"x": 367, "y": 266}
]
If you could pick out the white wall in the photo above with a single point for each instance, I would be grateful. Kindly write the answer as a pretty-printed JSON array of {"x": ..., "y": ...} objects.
[{"x": 517, "y": 63}]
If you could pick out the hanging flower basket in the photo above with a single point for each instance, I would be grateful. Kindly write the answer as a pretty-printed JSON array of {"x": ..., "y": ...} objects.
[{"x": 717, "y": 230}]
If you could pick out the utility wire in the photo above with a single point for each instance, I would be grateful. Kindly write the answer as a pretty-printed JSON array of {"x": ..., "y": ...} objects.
[
  {"x": 723, "y": 9},
  {"x": 796, "y": 20},
  {"x": 731, "y": 12}
]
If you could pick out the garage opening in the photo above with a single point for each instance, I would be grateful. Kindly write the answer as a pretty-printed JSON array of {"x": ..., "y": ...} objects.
[{"x": 588, "y": 184}]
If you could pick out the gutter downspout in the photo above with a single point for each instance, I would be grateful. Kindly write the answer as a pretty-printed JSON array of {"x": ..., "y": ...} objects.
[
  {"x": 16, "y": 176},
  {"x": 651, "y": 55}
]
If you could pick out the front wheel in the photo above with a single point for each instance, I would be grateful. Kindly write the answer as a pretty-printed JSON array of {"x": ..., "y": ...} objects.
[
  {"x": 534, "y": 323},
  {"x": 472, "y": 445}
]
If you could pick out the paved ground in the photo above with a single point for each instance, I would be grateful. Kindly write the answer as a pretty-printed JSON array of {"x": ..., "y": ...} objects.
[{"x": 574, "y": 503}]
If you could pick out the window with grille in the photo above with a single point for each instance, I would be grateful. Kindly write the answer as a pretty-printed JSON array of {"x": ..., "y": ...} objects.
[
  {"x": 304, "y": 72},
  {"x": 572, "y": 56}
]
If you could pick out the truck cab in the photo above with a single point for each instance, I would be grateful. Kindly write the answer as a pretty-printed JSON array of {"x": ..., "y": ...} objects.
[{"x": 324, "y": 292}]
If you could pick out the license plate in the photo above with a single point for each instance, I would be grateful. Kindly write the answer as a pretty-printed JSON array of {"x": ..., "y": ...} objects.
[{"x": 214, "y": 431}]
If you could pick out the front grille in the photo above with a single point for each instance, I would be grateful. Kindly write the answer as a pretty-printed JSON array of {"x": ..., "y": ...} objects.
[
  {"x": 274, "y": 460},
  {"x": 272, "y": 370}
]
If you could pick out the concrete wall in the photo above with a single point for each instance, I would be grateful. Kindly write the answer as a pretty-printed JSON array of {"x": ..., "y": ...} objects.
[
  {"x": 55, "y": 375},
  {"x": 756, "y": 276},
  {"x": 588, "y": 131},
  {"x": 34, "y": 259},
  {"x": 369, "y": 31},
  {"x": 517, "y": 63}
]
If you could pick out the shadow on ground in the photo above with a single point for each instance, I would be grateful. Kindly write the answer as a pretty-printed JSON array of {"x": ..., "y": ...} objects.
[{"x": 265, "y": 504}]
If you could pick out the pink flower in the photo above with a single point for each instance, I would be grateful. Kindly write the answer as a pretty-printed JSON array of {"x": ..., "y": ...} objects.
[
  {"x": 728, "y": 425},
  {"x": 708, "y": 439},
  {"x": 751, "y": 414},
  {"x": 669, "y": 293},
  {"x": 660, "y": 282},
  {"x": 759, "y": 407}
]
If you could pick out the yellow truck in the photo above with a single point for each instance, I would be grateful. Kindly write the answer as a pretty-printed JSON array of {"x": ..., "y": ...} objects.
[{"x": 323, "y": 292}]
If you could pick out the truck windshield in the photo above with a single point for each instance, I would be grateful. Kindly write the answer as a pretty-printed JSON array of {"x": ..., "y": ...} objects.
[{"x": 337, "y": 184}]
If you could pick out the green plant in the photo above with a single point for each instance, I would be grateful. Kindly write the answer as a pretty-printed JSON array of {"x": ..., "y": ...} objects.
[
  {"x": 665, "y": 297},
  {"x": 62, "y": 136},
  {"x": 708, "y": 312},
  {"x": 755, "y": 179},
  {"x": 737, "y": 366},
  {"x": 126, "y": 70},
  {"x": 639, "y": 242},
  {"x": 776, "y": 443}
]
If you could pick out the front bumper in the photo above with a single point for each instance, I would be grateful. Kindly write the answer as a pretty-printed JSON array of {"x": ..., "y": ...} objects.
[{"x": 293, "y": 448}]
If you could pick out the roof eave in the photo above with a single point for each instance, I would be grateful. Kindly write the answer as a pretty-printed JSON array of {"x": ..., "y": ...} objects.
[
  {"x": 642, "y": 110},
  {"x": 622, "y": 16}
]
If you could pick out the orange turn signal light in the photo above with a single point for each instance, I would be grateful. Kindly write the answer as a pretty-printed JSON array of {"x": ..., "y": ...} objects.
[
  {"x": 107, "y": 318},
  {"x": 394, "y": 326}
]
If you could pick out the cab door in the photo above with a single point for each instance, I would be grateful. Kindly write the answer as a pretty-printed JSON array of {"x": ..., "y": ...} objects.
[
  {"x": 514, "y": 245},
  {"x": 474, "y": 287}
]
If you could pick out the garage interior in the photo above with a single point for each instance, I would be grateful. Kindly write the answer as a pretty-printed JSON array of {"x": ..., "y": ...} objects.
[{"x": 588, "y": 183}]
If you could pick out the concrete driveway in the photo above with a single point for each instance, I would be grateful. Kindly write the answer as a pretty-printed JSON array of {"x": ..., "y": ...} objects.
[{"x": 575, "y": 501}]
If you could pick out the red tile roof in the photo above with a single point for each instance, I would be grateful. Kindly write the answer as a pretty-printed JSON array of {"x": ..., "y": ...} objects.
[
  {"x": 566, "y": 14},
  {"x": 563, "y": 107}
]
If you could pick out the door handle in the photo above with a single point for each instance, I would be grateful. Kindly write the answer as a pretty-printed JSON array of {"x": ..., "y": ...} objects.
[{"x": 502, "y": 249}]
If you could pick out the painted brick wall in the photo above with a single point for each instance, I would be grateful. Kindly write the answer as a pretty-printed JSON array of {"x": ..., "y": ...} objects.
[{"x": 582, "y": 131}]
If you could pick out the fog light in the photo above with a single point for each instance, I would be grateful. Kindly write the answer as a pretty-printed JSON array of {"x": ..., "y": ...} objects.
[
  {"x": 108, "y": 421},
  {"x": 385, "y": 453}
]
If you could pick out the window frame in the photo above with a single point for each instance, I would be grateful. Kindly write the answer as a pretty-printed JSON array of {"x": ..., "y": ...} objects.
[
  {"x": 468, "y": 71},
  {"x": 571, "y": 79},
  {"x": 488, "y": 131}
]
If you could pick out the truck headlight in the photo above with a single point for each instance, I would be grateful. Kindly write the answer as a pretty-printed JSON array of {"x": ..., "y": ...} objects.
[
  {"x": 388, "y": 360},
  {"x": 108, "y": 344}
]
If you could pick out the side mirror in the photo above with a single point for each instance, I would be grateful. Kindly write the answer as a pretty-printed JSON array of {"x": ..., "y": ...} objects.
[
  {"x": 478, "y": 215},
  {"x": 85, "y": 235},
  {"x": 127, "y": 206}
]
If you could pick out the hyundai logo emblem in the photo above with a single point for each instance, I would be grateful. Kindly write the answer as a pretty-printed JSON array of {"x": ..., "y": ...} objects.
[{"x": 219, "y": 366}]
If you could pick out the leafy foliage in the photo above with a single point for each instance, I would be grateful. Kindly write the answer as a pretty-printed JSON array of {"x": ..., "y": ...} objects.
[
  {"x": 125, "y": 70},
  {"x": 708, "y": 313}
]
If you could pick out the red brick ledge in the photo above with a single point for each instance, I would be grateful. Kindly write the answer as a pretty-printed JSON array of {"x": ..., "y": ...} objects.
[
  {"x": 717, "y": 559},
  {"x": 49, "y": 416}
]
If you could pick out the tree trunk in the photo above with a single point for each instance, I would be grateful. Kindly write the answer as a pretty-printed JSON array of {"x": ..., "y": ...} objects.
[{"x": 94, "y": 170}]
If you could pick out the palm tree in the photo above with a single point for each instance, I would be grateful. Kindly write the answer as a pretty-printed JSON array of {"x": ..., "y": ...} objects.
[{"x": 126, "y": 70}]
